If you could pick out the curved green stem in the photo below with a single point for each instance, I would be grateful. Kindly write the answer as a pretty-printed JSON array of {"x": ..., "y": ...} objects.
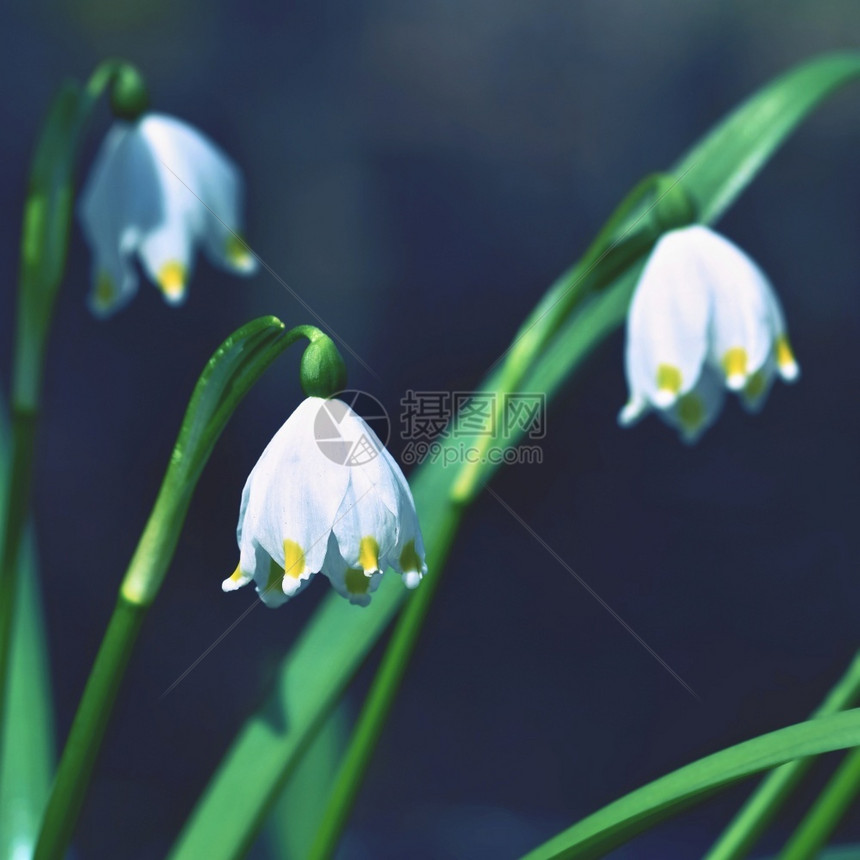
[
  {"x": 79, "y": 756},
  {"x": 738, "y": 839},
  {"x": 231, "y": 372},
  {"x": 832, "y": 804}
]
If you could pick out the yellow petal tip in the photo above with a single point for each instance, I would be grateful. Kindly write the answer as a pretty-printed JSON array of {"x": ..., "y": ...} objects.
[
  {"x": 171, "y": 281},
  {"x": 294, "y": 562},
  {"x": 785, "y": 361},
  {"x": 368, "y": 555},
  {"x": 236, "y": 580},
  {"x": 735, "y": 366},
  {"x": 239, "y": 255},
  {"x": 668, "y": 385}
]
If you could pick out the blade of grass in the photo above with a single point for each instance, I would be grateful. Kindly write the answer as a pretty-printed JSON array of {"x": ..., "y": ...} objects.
[
  {"x": 828, "y": 810},
  {"x": 28, "y": 742},
  {"x": 744, "y": 830},
  {"x": 620, "y": 821}
]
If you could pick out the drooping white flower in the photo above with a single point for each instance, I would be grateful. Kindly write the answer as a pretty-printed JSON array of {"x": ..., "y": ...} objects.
[
  {"x": 157, "y": 189},
  {"x": 326, "y": 496},
  {"x": 703, "y": 318}
]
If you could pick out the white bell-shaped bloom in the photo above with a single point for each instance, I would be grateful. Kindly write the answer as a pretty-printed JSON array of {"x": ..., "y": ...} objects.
[
  {"x": 703, "y": 318},
  {"x": 326, "y": 496},
  {"x": 158, "y": 188}
]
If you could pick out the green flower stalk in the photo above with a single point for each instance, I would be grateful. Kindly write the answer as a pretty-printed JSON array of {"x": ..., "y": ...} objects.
[
  {"x": 657, "y": 203},
  {"x": 47, "y": 219},
  {"x": 229, "y": 375}
]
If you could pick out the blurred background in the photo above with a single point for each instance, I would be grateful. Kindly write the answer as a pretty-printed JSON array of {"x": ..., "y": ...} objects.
[{"x": 419, "y": 172}]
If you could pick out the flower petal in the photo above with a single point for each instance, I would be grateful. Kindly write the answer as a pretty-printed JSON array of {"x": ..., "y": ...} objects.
[
  {"x": 667, "y": 326},
  {"x": 203, "y": 189},
  {"x": 409, "y": 558},
  {"x": 119, "y": 203},
  {"x": 741, "y": 331},
  {"x": 293, "y": 494},
  {"x": 783, "y": 355},
  {"x": 366, "y": 523}
]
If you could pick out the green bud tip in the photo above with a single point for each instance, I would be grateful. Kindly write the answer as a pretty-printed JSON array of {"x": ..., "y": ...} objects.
[
  {"x": 673, "y": 206},
  {"x": 129, "y": 97},
  {"x": 323, "y": 371}
]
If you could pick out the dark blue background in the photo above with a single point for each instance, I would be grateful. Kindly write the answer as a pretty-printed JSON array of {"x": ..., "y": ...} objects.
[{"x": 418, "y": 172}]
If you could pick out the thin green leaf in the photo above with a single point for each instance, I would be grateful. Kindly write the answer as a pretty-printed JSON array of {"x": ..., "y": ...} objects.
[
  {"x": 826, "y": 814},
  {"x": 28, "y": 740},
  {"x": 620, "y": 821},
  {"x": 721, "y": 166},
  {"x": 737, "y": 840},
  {"x": 336, "y": 641}
]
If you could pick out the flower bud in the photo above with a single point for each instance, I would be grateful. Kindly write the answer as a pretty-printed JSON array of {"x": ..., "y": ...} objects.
[
  {"x": 129, "y": 97},
  {"x": 323, "y": 372}
]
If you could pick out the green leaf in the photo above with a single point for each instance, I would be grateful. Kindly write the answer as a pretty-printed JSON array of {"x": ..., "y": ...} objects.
[
  {"x": 295, "y": 819},
  {"x": 338, "y": 638},
  {"x": 615, "y": 824},
  {"x": 762, "y": 805},
  {"x": 28, "y": 733},
  {"x": 721, "y": 166}
]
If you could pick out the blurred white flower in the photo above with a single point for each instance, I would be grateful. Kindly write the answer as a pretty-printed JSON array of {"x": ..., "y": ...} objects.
[
  {"x": 703, "y": 318},
  {"x": 158, "y": 188},
  {"x": 303, "y": 512}
]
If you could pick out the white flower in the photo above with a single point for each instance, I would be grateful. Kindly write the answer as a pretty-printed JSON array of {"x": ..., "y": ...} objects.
[
  {"x": 703, "y": 318},
  {"x": 156, "y": 189},
  {"x": 326, "y": 496}
]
